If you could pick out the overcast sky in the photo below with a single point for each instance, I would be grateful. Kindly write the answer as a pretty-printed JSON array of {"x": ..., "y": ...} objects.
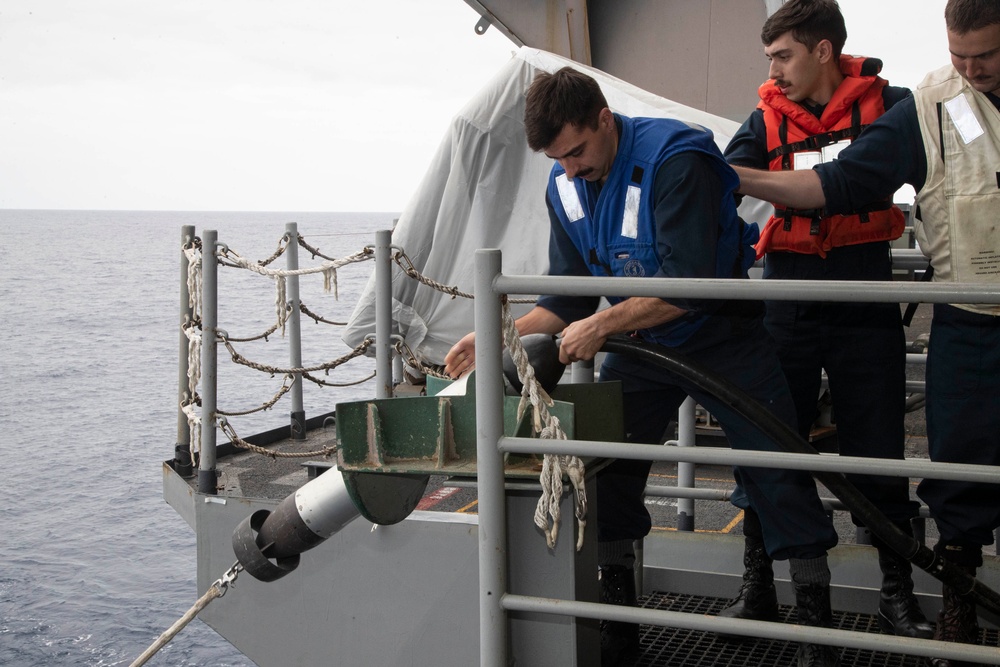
[{"x": 300, "y": 105}]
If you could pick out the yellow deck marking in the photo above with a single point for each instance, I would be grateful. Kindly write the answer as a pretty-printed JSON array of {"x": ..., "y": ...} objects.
[
  {"x": 732, "y": 524},
  {"x": 465, "y": 509}
]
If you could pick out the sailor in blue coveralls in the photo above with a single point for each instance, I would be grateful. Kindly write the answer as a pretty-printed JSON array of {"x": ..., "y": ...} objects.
[{"x": 654, "y": 197}]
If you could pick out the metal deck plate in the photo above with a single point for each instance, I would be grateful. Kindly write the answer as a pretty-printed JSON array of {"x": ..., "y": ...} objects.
[{"x": 673, "y": 647}]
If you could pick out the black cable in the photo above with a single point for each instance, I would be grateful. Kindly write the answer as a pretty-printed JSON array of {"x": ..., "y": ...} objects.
[{"x": 789, "y": 441}]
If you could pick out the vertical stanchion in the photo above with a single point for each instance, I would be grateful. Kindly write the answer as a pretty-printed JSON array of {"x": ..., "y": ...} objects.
[
  {"x": 397, "y": 370},
  {"x": 182, "y": 448},
  {"x": 582, "y": 371},
  {"x": 209, "y": 360},
  {"x": 298, "y": 415},
  {"x": 383, "y": 314},
  {"x": 685, "y": 470},
  {"x": 493, "y": 630}
]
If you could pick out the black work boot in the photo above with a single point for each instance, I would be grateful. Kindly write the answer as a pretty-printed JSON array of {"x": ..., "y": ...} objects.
[
  {"x": 619, "y": 641},
  {"x": 899, "y": 612},
  {"x": 811, "y": 581},
  {"x": 957, "y": 622},
  {"x": 757, "y": 599}
]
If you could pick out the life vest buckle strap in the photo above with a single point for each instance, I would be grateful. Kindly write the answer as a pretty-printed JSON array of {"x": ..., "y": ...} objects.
[{"x": 816, "y": 142}]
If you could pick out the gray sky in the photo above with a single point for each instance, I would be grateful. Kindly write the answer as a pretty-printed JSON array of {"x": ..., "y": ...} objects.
[{"x": 302, "y": 105}]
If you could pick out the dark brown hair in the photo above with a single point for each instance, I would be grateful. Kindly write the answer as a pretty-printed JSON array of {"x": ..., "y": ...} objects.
[
  {"x": 553, "y": 100},
  {"x": 810, "y": 22},
  {"x": 962, "y": 16}
]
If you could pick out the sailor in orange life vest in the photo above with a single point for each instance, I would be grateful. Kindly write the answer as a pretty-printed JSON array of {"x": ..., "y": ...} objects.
[
  {"x": 654, "y": 197},
  {"x": 815, "y": 102},
  {"x": 945, "y": 142}
]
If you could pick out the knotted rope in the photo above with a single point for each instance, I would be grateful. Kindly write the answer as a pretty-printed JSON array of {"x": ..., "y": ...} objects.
[{"x": 547, "y": 512}]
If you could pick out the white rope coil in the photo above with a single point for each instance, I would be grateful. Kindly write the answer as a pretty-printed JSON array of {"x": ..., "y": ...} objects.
[
  {"x": 194, "y": 427},
  {"x": 194, "y": 358},
  {"x": 194, "y": 279}
]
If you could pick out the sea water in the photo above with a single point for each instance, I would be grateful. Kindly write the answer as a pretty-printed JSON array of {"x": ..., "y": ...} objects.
[{"x": 94, "y": 565}]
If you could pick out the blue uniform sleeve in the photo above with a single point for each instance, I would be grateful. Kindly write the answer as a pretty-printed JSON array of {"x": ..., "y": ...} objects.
[
  {"x": 887, "y": 155},
  {"x": 892, "y": 95},
  {"x": 748, "y": 147},
  {"x": 687, "y": 195}
]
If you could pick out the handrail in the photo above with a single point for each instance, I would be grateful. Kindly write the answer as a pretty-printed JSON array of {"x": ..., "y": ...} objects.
[
  {"x": 712, "y": 456},
  {"x": 865, "y": 291},
  {"x": 766, "y": 630},
  {"x": 495, "y": 599}
]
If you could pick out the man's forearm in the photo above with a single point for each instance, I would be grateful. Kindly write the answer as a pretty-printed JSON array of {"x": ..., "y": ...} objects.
[
  {"x": 795, "y": 189},
  {"x": 636, "y": 313},
  {"x": 539, "y": 320},
  {"x": 584, "y": 338}
]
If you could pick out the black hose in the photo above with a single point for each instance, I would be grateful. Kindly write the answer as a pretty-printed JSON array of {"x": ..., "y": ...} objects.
[{"x": 789, "y": 441}]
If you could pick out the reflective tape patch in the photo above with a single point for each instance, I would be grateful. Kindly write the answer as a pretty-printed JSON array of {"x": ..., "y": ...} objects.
[
  {"x": 569, "y": 198},
  {"x": 630, "y": 218}
]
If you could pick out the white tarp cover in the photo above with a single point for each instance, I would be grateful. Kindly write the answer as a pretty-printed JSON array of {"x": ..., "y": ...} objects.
[{"x": 486, "y": 189}]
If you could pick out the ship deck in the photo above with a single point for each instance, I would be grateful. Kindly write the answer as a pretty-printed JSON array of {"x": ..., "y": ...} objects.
[
  {"x": 251, "y": 475},
  {"x": 717, "y": 523},
  {"x": 674, "y": 647},
  {"x": 245, "y": 474}
]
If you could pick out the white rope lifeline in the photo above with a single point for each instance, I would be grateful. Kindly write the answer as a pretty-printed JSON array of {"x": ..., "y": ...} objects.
[{"x": 328, "y": 269}]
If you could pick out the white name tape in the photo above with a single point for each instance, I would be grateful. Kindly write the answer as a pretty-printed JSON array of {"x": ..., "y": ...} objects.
[{"x": 964, "y": 119}]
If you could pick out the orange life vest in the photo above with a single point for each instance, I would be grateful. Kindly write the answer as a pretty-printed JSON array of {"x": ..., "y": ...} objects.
[{"x": 792, "y": 129}]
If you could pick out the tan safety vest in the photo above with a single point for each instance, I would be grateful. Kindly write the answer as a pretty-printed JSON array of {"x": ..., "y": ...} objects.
[{"x": 959, "y": 205}]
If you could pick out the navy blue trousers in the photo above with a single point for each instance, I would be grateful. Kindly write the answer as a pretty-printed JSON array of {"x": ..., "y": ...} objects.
[
  {"x": 738, "y": 348},
  {"x": 863, "y": 349},
  {"x": 963, "y": 422}
]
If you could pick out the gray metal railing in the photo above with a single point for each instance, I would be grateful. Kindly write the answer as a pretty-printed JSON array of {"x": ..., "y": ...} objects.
[
  {"x": 207, "y": 475},
  {"x": 495, "y": 601}
]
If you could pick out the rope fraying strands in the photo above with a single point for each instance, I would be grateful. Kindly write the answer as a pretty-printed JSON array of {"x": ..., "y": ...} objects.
[{"x": 191, "y": 328}]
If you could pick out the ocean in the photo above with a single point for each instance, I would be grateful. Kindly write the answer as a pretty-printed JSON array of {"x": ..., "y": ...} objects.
[{"x": 94, "y": 565}]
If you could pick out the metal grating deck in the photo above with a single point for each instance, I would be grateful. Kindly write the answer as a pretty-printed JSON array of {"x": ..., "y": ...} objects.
[{"x": 672, "y": 647}]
